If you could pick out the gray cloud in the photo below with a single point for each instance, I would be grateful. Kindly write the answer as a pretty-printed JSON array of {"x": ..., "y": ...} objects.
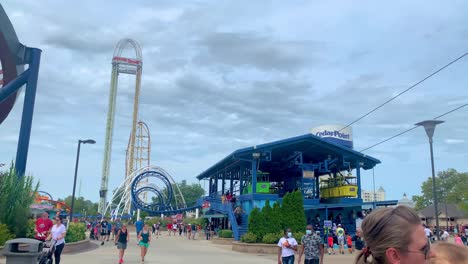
[
  {"x": 218, "y": 77},
  {"x": 254, "y": 50}
]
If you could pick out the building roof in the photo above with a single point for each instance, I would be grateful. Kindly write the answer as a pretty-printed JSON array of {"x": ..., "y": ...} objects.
[
  {"x": 452, "y": 211},
  {"x": 313, "y": 148},
  {"x": 406, "y": 201}
]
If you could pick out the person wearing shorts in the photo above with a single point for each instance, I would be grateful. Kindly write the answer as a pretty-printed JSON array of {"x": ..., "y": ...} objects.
[
  {"x": 121, "y": 241},
  {"x": 341, "y": 238},
  {"x": 330, "y": 245},
  {"x": 145, "y": 238},
  {"x": 103, "y": 230}
]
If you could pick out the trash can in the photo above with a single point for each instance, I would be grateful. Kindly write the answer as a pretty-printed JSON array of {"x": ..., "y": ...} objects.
[{"x": 22, "y": 250}]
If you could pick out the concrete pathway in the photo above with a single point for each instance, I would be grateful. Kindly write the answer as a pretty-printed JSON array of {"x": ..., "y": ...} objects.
[{"x": 178, "y": 250}]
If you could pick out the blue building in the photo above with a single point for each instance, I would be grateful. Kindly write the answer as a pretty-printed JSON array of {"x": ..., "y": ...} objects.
[{"x": 319, "y": 168}]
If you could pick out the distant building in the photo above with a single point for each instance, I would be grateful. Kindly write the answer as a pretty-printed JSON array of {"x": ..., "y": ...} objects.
[
  {"x": 406, "y": 201},
  {"x": 449, "y": 215},
  {"x": 368, "y": 196}
]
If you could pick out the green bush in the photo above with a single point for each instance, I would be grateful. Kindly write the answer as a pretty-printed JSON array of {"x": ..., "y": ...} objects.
[
  {"x": 5, "y": 234},
  {"x": 293, "y": 212},
  {"x": 271, "y": 238},
  {"x": 225, "y": 233},
  {"x": 298, "y": 236},
  {"x": 75, "y": 232},
  {"x": 256, "y": 223},
  {"x": 16, "y": 195},
  {"x": 249, "y": 238},
  {"x": 31, "y": 226}
]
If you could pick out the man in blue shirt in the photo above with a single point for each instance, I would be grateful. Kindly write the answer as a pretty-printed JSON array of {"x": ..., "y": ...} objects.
[
  {"x": 139, "y": 226},
  {"x": 109, "y": 230}
]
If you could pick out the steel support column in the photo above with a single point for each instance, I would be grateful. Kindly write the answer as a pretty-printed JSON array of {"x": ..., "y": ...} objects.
[
  {"x": 28, "y": 110},
  {"x": 241, "y": 178},
  {"x": 254, "y": 175},
  {"x": 358, "y": 175}
]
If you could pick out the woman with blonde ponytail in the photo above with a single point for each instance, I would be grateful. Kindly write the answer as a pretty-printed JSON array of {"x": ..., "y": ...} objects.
[{"x": 394, "y": 236}]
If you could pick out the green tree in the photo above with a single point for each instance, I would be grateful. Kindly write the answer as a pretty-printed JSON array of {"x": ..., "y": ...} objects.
[
  {"x": 190, "y": 192},
  {"x": 277, "y": 218},
  {"x": 293, "y": 212},
  {"x": 256, "y": 223},
  {"x": 81, "y": 205},
  {"x": 16, "y": 195},
  {"x": 272, "y": 219},
  {"x": 451, "y": 187},
  {"x": 286, "y": 208}
]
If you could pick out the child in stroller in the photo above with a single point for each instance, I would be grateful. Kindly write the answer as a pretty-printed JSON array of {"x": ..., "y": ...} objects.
[{"x": 47, "y": 252}]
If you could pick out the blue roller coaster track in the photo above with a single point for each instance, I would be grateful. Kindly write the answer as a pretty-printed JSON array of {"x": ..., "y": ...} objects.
[{"x": 164, "y": 204}]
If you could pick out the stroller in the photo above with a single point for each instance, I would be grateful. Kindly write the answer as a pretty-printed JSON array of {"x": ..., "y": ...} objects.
[{"x": 47, "y": 253}]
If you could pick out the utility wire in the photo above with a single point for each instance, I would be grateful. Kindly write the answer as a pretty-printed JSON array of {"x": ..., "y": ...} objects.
[
  {"x": 409, "y": 88},
  {"x": 408, "y": 130}
]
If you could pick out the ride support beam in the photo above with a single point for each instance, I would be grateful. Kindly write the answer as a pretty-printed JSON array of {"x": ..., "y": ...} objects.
[
  {"x": 231, "y": 185},
  {"x": 358, "y": 175},
  {"x": 223, "y": 183},
  {"x": 28, "y": 110},
  {"x": 241, "y": 177},
  {"x": 254, "y": 175}
]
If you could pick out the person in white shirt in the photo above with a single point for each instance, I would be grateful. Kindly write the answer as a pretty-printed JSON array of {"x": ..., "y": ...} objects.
[
  {"x": 428, "y": 232},
  {"x": 445, "y": 235},
  {"x": 287, "y": 245},
  {"x": 58, "y": 234}
]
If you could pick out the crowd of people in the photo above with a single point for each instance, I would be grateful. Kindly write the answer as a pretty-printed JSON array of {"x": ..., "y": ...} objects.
[
  {"x": 385, "y": 236},
  {"x": 46, "y": 230}
]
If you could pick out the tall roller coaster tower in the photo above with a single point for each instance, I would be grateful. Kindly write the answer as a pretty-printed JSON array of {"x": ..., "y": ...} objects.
[{"x": 123, "y": 65}]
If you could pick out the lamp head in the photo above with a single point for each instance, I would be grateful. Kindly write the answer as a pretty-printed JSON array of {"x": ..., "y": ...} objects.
[
  {"x": 88, "y": 141},
  {"x": 429, "y": 126}
]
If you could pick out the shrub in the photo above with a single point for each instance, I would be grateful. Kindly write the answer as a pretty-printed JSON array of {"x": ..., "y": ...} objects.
[
  {"x": 225, "y": 233},
  {"x": 16, "y": 195},
  {"x": 75, "y": 232},
  {"x": 293, "y": 212},
  {"x": 271, "y": 238},
  {"x": 256, "y": 223},
  {"x": 298, "y": 236},
  {"x": 5, "y": 234},
  {"x": 249, "y": 238},
  {"x": 31, "y": 227}
]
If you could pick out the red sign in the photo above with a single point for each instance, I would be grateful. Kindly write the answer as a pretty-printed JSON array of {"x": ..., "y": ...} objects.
[{"x": 126, "y": 60}]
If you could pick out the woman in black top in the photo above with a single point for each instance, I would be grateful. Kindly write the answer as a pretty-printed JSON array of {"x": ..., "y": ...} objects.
[{"x": 121, "y": 241}]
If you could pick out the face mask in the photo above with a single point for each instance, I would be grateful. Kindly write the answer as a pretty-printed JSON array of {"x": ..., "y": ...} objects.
[
  {"x": 309, "y": 232},
  {"x": 289, "y": 234}
]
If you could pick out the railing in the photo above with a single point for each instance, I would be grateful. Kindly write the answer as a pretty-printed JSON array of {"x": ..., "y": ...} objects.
[{"x": 226, "y": 208}]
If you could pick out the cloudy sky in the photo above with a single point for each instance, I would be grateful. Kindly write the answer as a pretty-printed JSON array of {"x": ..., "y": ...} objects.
[{"x": 222, "y": 75}]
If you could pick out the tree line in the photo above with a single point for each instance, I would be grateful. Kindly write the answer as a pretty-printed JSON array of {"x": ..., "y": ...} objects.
[{"x": 451, "y": 188}]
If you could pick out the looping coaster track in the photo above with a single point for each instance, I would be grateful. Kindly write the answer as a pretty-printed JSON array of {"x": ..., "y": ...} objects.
[{"x": 167, "y": 197}]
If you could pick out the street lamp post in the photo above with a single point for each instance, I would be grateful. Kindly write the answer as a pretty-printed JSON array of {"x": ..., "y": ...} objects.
[
  {"x": 429, "y": 126},
  {"x": 373, "y": 183},
  {"x": 88, "y": 141}
]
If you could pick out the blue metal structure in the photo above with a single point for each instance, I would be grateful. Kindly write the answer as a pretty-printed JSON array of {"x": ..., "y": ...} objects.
[
  {"x": 291, "y": 164},
  {"x": 165, "y": 198},
  {"x": 12, "y": 55}
]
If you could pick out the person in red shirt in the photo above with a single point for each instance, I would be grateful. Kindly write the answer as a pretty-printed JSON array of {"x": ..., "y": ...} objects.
[
  {"x": 330, "y": 245},
  {"x": 350, "y": 244},
  {"x": 169, "y": 228},
  {"x": 43, "y": 227}
]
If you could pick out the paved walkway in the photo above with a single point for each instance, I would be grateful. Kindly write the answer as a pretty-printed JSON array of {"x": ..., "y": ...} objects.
[{"x": 179, "y": 250}]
